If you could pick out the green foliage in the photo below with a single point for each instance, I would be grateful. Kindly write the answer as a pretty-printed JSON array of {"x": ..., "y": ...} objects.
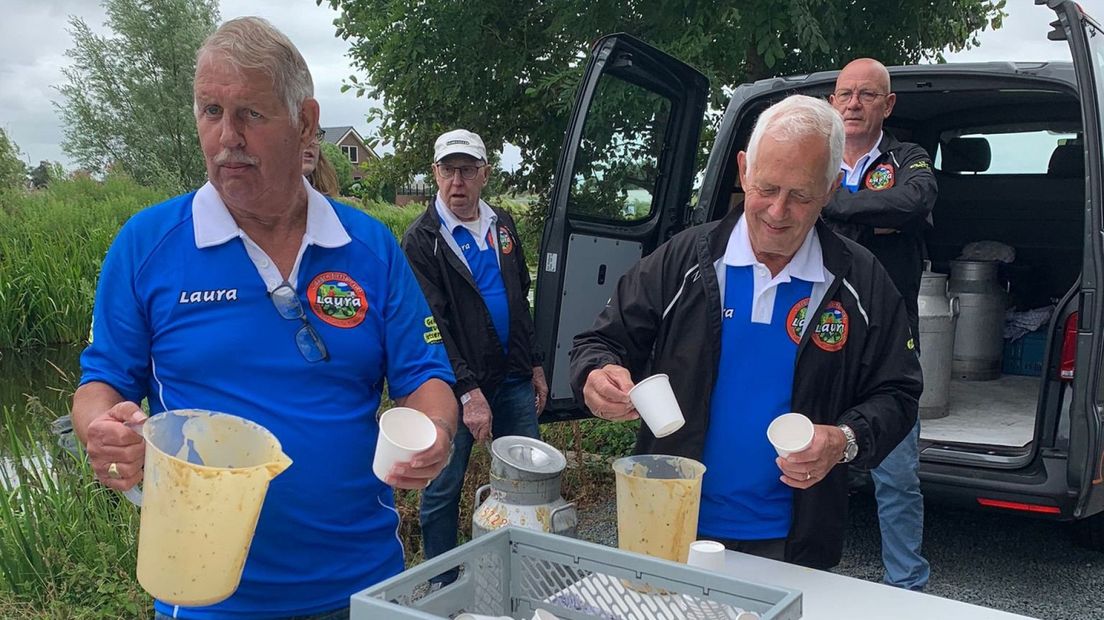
[
  {"x": 342, "y": 166},
  {"x": 529, "y": 228},
  {"x": 397, "y": 219},
  {"x": 517, "y": 85},
  {"x": 68, "y": 545},
  {"x": 13, "y": 172},
  {"x": 511, "y": 71},
  {"x": 50, "y": 253},
  {"x": 45, "y": 173},
  {"x": 381, "y": 179},
  {"x": 593, "y": 436},
  {"x": 127, "y": 101}
]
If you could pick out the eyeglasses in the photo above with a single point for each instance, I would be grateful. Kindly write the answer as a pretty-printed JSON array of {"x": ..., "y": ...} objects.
[
  {"x": 865, "y": 96},
  {"x": 467, "y": 172},
  {"x": 307, "y": 338},
  {"x": 321, "y": 133}
]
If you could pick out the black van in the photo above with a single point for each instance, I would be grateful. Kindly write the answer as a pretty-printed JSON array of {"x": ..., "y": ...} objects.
[{"x": 1017, "y": 152}]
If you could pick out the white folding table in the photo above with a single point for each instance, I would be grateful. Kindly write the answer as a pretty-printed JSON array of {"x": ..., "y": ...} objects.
[{"x": 828, "y": 596}]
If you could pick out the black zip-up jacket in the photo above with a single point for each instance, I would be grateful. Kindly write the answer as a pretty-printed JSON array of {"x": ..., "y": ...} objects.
[
  {"x": 462, "y": 316},
  {"x": 898, "y": 191},
  {"x": 665, "y": 316}
]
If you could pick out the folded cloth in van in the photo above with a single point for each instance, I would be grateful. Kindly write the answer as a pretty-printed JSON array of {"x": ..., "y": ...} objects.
[
  {"x": 988, "y": 250},
  {"x": 1019, "y": 324}
]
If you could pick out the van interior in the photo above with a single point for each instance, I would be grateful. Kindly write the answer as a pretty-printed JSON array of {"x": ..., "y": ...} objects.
[{"x": 1009, "y": 162}]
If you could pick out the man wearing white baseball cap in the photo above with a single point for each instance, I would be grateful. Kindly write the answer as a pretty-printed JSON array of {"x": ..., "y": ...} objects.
[
  {"x": 460, "y": 141},
  {"x": 468, "y": 258}
]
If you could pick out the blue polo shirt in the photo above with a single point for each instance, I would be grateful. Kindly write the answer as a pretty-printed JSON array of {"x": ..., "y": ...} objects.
[
  {"x": 183, "y": 317},
  {"x": 763, "y": 317}
]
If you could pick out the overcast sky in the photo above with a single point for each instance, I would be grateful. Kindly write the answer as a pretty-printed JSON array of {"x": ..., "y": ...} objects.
[{"x": 33, "y": 40}]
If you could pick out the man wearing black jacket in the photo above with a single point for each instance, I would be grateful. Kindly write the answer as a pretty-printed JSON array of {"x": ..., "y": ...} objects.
[
  {"x": 884, "y": 202},
  {"x": 468, "y": 259},
  {"x": 763, "y": 312}
]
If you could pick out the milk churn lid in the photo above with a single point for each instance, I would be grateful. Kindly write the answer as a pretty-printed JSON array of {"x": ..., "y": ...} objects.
[{"x": 528, "y": 454}]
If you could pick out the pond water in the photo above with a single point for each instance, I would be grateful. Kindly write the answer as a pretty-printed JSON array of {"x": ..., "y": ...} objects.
[{"x": 36, "y": 387}]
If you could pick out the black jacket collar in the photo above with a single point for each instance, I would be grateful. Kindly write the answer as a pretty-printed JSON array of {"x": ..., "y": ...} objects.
[{"x": 837, "y": 256}]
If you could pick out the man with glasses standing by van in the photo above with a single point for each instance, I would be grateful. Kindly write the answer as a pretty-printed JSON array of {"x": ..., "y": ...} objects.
[
  {"x": 258, "y": 297},
  {"x": 468, "y": 258},
  {"x": 884, "y": 202}
]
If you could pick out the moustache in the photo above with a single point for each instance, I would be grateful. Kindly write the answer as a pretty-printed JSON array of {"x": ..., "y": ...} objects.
[{"x": 234, "y": 157}]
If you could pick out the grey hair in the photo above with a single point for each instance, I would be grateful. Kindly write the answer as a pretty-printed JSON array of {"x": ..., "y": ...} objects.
[
  {"x": 252, "y": 43},
  {"x": 800, "y": 116}
]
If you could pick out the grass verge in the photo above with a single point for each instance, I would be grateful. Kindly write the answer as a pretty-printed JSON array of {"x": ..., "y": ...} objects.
[{"x": 68, "y": 546}]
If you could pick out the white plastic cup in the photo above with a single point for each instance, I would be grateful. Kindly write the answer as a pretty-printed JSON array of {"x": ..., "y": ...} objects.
[
  {"x": 655, "y": 402},
  {"x": 707, "y": 555},
  {"x": 403, "y": 432},
  {"x": 789, "y": 433}
]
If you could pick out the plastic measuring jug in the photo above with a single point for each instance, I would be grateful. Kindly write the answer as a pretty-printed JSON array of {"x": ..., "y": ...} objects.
[
  {"x": 206, "y": 475},
  {"x": 657, "y": 504}
]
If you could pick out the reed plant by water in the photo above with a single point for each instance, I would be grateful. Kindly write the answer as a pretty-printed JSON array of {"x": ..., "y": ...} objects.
[
  {"x": 68, "y": 545},
  {"x": 52, "y": 242}
]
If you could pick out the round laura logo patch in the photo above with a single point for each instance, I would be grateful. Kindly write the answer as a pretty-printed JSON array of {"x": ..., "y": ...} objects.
[
  {"x": 831, "y": 330},
  {"x": 795, "y": 320},
  {"x": 337, "y": 299},
  {"x": 505, "y": 240},
  {"x": 881, "y": 177}
]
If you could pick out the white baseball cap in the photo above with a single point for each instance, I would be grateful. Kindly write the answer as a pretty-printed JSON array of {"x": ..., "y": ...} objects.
[{"x": 459, "y": 141}]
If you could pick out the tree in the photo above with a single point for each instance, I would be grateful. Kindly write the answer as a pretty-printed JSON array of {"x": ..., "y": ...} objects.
[
  {"x": 46, "y": 172},
  {"x": 128, "y": 103},
  {"x": 13, "y": 173},
  {"x": 510, "y": 72},
  {"x": 342, "y": 166}
]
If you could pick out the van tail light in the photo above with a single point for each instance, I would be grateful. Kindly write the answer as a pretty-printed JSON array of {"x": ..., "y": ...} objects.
[
  {"x": 1069, "y": 348},
  {"x": 1039, "y": 508}
]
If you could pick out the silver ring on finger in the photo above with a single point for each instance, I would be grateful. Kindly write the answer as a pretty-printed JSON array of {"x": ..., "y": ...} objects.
[
  {"x": 808, "y": 476},
  {"x": 113, "y": 471}
]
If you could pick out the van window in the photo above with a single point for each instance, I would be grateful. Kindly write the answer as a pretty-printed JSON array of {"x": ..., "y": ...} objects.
[
  {"x": 1022, "y": 152},
  {"x": 616, "y": 168}
]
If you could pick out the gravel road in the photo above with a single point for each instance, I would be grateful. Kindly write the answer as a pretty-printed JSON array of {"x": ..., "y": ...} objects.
[{"x": 1004, "y": 561}]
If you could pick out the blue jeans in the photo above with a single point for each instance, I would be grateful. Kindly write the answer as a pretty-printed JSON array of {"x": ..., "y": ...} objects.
[
  {"x": 338, "y": 614},
  {"x": 513, "y": 412},
  {"x": 901, "y": 514}
]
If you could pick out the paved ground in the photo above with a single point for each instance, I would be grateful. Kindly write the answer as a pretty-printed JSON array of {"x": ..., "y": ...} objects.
[{"x": 1007, "y": 562}]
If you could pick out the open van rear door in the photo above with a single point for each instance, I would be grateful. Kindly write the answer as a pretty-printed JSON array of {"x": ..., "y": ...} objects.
[
  {"x": 622, "y": 187},
  {"x": 1086, "y": 41}
]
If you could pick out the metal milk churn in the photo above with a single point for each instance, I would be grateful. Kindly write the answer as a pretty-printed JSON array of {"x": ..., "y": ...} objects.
[
  {"x": 937, "y": 337},
  {"x": 524, "y": 489},
  {"x": 978, "y": 342}
]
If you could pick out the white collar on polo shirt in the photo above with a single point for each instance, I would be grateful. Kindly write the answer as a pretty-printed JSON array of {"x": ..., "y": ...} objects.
[
  {"x": 213, "y": 224},
  {"x": 852, "y": 175},
  {"x": 807, "y": 264},
  {"x": 487, "y": 218}
]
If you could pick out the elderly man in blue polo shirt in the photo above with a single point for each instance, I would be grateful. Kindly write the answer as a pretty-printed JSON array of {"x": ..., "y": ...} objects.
[
  {"x": 760, "y": 313},
  {"x": 469, "y": 261},
  {"x": 258, "y": 296}
]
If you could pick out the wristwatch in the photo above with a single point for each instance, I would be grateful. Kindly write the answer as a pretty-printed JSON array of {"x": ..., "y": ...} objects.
[
  {"x": 465, "y": 397},
  {"x": 851, "y": 450}
]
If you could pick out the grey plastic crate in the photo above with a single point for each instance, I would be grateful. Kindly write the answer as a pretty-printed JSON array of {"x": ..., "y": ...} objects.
[{"x": 514, "y": 571}]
